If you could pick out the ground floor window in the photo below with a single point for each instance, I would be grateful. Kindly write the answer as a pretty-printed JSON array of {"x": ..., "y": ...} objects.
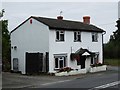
[{"x": 60, "y": 62}]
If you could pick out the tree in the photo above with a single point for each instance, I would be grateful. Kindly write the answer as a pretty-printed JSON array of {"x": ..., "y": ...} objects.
[
  {"x": 5, "y": 46},
  {"x": 112, "y": 48}
]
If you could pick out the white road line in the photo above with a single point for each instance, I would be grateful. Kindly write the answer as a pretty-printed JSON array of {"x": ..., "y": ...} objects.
[
  {"x": 109, "y": 84},
  {"x": 106, "y": 85},
  {"x": 55, "y": 82}
]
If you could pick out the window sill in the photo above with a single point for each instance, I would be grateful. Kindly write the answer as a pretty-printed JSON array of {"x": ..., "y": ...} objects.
[
  {"x": 94, "y": 41},
  {"x": 77, "y": 41},
  {"x": 59, "y": 41}
]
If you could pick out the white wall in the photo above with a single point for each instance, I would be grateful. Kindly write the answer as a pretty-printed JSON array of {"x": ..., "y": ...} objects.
[
  {"x": 119, "y": 9},
  {"x": 65, "y": 47},
  {"x": 29, "y": 38}
]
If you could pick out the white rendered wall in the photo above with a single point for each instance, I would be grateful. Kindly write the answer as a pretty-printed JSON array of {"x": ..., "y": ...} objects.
[
  {"x": 65, "y": 47},
  {"x": 29, "y": 38}
]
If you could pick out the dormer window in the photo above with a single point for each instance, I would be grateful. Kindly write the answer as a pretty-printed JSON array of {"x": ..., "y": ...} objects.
[
  {"x": 94, "y": 37},
  {"x": 60, "y": 35},
  {"x": 77, "y": 36}
]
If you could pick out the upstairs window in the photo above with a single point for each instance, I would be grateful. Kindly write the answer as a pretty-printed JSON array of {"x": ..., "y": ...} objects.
[
  {"x": 60, "y": 35},
  {"x": 94, "y": 37},
  {"x": 77, "y": 36}
]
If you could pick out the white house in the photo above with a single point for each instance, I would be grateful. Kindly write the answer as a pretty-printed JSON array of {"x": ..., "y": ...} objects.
[{"x": 42, "y": 44}]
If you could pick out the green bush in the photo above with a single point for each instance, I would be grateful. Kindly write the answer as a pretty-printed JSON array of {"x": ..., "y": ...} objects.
[{"x": 68, "y": 69}]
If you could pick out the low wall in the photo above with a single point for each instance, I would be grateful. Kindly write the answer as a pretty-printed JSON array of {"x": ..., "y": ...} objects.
[
  {"x": 99, "y": 68},
  {"x": 73, "y": 72},
  {"x": 83, "y": 71}
]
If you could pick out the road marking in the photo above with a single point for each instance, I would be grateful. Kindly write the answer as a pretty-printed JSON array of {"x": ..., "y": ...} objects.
[
  {"x": 55, "y": 82},
  {"x": 106, "y": 85}
]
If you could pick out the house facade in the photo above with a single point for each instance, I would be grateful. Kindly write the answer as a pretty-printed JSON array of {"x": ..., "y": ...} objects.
[{"x": 45, "y": 45}]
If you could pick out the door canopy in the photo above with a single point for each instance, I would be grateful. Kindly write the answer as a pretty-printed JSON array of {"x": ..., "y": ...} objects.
[{"x": 81, "y": 52}]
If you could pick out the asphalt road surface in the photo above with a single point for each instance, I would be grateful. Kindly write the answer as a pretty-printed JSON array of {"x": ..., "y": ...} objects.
[
  {"x": 90, "y": 81},
  {"x": 108, "y": 79}
]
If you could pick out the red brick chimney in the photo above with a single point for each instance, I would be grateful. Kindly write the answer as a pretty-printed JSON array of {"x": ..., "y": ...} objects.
[
  {"x": 60, "y": 17},
  {"x": 86, "y": 19}
]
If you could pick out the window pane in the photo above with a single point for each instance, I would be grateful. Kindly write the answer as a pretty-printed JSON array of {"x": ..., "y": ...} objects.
[
  {"x": 75, "y": 36},
  {"x": 56, "y": 62},
  {"x": 94, "y": 37},
  {"x": 61, "y": 37},
  {"x": 79, "y": 37},
  {"x": 57, "y": 35},
  {"x": 61, "y": 63}
]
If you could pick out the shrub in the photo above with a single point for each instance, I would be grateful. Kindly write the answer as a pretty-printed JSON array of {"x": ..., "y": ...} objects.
[{"x": 68, "y": 69}]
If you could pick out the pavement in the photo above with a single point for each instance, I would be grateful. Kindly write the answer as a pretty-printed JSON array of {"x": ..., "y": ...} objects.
[{"x": 16, "y": 80}]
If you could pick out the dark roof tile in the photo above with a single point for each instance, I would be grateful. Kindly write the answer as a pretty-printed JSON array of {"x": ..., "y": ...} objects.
[
  {"x": 64, "y": 24},
  {"x": 67, "y": 25}
]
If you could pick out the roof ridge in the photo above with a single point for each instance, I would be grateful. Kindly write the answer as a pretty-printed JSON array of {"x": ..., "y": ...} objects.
[{"x": 53, "y": 23}]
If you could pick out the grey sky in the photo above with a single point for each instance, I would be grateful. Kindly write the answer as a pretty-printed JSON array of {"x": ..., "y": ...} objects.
[
  {"x": 119, "y": 9},
  {"x": 104, "y": 14}
]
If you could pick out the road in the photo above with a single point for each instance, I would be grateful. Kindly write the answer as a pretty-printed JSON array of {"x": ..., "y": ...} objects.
[
  {"x": 90, "y": 81},
  {"x": 108, "y": 79}
]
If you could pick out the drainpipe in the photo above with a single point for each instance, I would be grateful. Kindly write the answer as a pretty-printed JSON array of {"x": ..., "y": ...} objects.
[{"x": 103, "y": 47}]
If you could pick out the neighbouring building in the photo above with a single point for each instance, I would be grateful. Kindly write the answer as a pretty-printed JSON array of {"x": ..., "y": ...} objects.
[{"x": 42, "y": 44}]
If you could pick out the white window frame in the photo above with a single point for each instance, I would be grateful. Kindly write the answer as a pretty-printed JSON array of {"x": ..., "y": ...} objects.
[
  {"x": 61, "y": 32},
  {"x": 77, "y": 36},
  {"x": 60, "y": 58},
  {"x": 94, "y": 37}
]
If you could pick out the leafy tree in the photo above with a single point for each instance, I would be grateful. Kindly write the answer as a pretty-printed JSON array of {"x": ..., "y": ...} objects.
[
  {"x": 112, "y": 48},
  {"x": 5, "y": 46}
]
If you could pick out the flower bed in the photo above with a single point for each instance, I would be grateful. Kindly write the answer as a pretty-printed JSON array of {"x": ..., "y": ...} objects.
[
  {"x": 98, "y": 68},
  {"x": 72, "y": 72}
]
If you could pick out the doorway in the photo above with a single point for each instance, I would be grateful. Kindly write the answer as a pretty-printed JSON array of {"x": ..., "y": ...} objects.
[
  {"x": 82, "y": 62},
  {"x": 34, "y": 62}
]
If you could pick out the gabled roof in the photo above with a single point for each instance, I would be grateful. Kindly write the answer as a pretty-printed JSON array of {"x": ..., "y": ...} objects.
[
  {"x": 82, "y": 51},
  {"x": 65, "y": 25}
]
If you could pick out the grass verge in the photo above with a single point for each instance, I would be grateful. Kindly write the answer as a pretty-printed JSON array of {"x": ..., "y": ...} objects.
[{"x": 112, "y": 62}]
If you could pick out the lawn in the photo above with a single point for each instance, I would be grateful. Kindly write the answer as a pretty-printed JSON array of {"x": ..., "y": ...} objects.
[{"x": 112, "y": 62}]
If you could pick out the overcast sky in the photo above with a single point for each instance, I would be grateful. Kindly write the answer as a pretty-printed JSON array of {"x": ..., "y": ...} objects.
[{"x": 103, "y": 14}]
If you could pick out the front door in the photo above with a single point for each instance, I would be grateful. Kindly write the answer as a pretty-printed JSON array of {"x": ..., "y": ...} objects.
[{"x": 82, "y": 62}]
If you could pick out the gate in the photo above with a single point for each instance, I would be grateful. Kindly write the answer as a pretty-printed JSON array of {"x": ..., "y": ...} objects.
[{"x": 34, "y": 62}]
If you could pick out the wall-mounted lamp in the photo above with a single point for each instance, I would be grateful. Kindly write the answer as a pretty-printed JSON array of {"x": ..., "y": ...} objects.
[{"x": 15, "y": 47}]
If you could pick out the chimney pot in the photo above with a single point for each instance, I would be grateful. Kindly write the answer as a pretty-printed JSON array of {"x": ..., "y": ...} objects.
[
  {"x": 86, "y": 19},
  {"x": 60, "y": 17}
]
